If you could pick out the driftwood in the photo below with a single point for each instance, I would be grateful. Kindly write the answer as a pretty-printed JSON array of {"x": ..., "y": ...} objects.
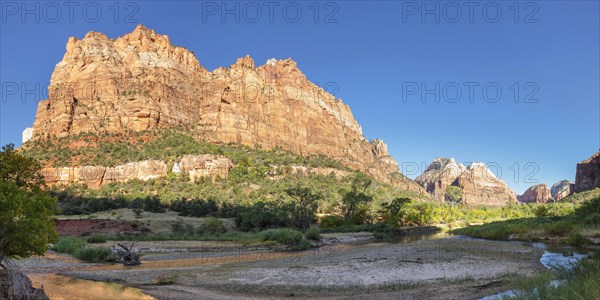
[{"x": 126, "y": 254}]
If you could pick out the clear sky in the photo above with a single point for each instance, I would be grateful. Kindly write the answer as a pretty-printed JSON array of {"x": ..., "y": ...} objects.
[{"x": 378, "y": 57}]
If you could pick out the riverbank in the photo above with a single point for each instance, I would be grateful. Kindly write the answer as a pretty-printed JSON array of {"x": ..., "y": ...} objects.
[{"x": 438, "y": 268}]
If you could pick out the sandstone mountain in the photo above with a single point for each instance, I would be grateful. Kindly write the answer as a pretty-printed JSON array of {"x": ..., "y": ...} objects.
[
  {"x": 441, "y": 173},
  {"x": 561, "y": 189},
  {"x": 140, "y": 81},
  {"x": 480, "y": 186},
  {"x": 539, "y": 193},
  {"x": 588, "y": 174}
]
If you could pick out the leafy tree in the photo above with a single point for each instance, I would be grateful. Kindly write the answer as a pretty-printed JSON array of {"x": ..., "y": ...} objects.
[
  {"x": 304, "y": 207},
  {"x": 394, "y": 212},
  {"x": 26, "y": 211},
  {"x": 453, "y": 196},
  {"x": 357, "y": 196}
]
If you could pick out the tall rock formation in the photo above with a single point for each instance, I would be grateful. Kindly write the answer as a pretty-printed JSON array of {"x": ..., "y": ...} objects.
[
  {"x": 441, "y": 173},
  {"x": 481, "y": 187},
  {"x": 561, "y": 189},
  {"x": 141, "y": 81},
  {"x": 539, "y": 193},
  {"x": 588, "y": 174}
]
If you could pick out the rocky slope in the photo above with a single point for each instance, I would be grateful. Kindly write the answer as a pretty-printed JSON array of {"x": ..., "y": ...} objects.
[
  {"x": 141, "y": 81},
  {"x": 588, "y": 174},
  {"x": 539, "y": 193},
  {"x": 561, "y": 189},
  {"x": 480, "y": 186},
  {"x": 441, "y": 173}
]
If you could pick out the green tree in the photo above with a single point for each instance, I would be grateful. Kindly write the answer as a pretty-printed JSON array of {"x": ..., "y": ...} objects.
[
  {"x": 394, "y": 212},
  {"x": 304, "y": 206},
  {"x": 453, "y": 196},
  {"x": 26, "y": 211},
  {"x": 357, "y": 196}
]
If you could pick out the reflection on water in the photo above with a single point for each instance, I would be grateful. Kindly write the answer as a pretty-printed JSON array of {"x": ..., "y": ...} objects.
[{"x": 59, "y": 287}]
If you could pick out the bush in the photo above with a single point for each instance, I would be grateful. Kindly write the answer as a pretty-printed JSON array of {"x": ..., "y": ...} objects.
[
  {"x": 592, "y": 219},
  {"x": 94, "y": 254},
  {"x": 578, "y": 240},
  {"x": 332, "y": 221},
  {"x": 284, "y": 236},
  {"x": 96, "y": 239},
  {"x": 68, "y": 245},
  {"x": 313, "y": 234},
  {"x": 214, "y": 225}
]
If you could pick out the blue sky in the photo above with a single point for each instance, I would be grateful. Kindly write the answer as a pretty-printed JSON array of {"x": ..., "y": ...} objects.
[{"x": 372, "y": 55}]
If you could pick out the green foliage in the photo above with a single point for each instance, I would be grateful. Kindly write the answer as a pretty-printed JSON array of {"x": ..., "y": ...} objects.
[
  {"x": 592, "y": 219},
  {"x": 580, "y": 283},
  {"x": 214, "y": 225},
  {"x": 96, "y": 239},
  {"x": 284, "y": 236},
  {"x": 261, "y": 215},
  {"x": 355, "y": 200},
  {"x": 26, "y": 212},
  {"x": 68, "y": 244},
  {"x": 578, "y": 240},
  {"x": 313, "y": 234},
  {"x": 304, "y": 206},
  {"x": 194, "y": 207},
  {"x": 94, "y": 254},
  {"x": 394, "y": 213},
  {"x": 332, "y": 222},
  {"x": 454, "y": 194}
]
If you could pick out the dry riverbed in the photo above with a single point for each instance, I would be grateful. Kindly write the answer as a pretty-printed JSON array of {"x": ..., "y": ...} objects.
[{"x": 445, "y": 268}]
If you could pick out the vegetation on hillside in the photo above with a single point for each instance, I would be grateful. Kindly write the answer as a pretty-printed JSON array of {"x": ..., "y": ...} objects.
[{"x": 167, "y": 145}]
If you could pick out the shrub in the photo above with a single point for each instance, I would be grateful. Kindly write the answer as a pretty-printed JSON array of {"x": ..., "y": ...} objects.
[
  {"x": 68, "y": 245},
  {"x": 578, "y": 240},
  {"x": 94, "y": 254},
  {"x": 592, "y": 219},
  {"x": 96, "y": 239},
  {"x": 332, "y": 221},
  {"x": 284, "y": 236},
  {"x": 214, "y": 225},
  {"x": 313, "y": 234}
]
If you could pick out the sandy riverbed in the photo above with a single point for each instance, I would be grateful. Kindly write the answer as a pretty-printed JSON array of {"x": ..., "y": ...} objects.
[{"x": 446, "y": 268}]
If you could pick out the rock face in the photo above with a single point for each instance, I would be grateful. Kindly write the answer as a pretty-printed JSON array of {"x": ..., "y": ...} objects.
[
  {"x": 539, "y": 193},
  {"x": 561, "y": 189},
  {"x": 98, "y": 176},
  {"x": 441, "y": 173},
  {"x": 27, "y": 134},
  {"x": 199, "y": 166},
  {"x": 196, "y": 166},
  {"x": 588, "y": 174},
  {"x": 296, "y": 170},
  {"x": 141, "y": 81},
  {"x": 481, "y": 187}
]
